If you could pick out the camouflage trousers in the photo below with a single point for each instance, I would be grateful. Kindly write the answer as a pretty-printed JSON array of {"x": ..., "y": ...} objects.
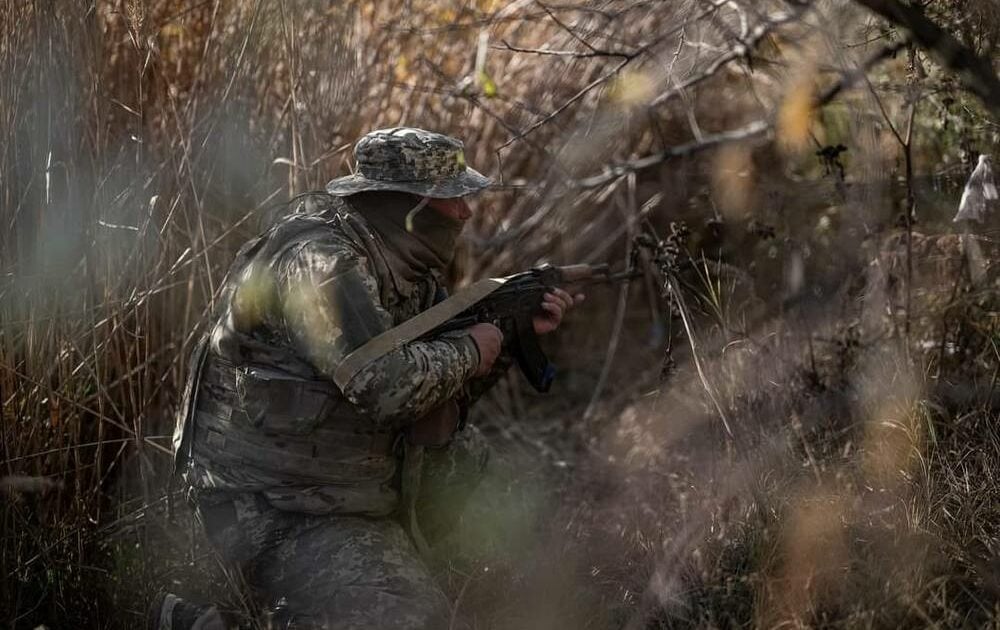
[{"x": 346, "y": 572}]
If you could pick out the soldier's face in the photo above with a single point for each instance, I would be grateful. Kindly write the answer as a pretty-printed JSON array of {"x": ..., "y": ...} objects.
[{"x": 457, "y": 208}]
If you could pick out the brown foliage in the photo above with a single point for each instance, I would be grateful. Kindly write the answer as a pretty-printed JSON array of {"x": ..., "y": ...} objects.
[{"x": 142, "y": 141}]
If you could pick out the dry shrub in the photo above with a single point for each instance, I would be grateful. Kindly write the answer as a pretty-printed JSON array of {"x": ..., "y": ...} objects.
[{"x": 143, "y": 141}]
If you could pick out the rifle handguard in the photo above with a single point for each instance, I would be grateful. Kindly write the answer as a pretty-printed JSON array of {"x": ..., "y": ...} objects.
[{"x": 572, "y": 274}]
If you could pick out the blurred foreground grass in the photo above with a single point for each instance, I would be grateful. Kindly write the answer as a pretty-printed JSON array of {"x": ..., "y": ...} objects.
[{"x": 856, "y": 363}]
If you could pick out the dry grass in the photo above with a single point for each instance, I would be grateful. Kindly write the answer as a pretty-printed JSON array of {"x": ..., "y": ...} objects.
[{"x": 142, "y": 141}]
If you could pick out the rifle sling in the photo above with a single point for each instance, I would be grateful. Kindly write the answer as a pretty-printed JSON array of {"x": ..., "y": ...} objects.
[{"x": 414, "y": 328}]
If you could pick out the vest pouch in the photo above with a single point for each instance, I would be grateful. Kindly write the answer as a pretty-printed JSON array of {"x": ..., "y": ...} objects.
[{"x": 278, "y": 404}]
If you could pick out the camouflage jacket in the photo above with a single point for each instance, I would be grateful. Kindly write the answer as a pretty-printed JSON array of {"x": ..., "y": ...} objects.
[{"x": 261, "y": 412}]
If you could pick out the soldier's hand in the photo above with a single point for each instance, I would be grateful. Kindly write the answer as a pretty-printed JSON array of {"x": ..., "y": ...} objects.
[
  {"x": 554, "y": 304},
  {"x": 488, "y": 339}
]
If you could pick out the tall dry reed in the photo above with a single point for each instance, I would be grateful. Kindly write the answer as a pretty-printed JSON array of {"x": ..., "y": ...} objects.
[{"x": 143, "y": 141}]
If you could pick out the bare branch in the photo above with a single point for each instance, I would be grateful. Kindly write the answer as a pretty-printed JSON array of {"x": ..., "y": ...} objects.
[
  {"x": 751, "y": 131},
  {"x": 757, "y": 34},
  {"x": 573, "y": 99},
  {"x": 976, "y": 73},
  {"x": 850, "y": 78},
  {"x": 569, "y": 30},
  {"x": 714, "y": 6},
  {"x": 560, "y": 53}
]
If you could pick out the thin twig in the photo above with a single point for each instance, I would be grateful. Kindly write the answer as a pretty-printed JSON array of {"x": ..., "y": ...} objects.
[
  {"x": 458, "y": 603},
  {"x": 559, "y": 53},
  {"x": 620, "y": 309},
  {"x": 974, "y": 71},
  {"x": 736, "y": 52},
  {"x": 572, "y": 33},
  {"x": 573, "y": 99},
  {"x": 750, "y": 131}
]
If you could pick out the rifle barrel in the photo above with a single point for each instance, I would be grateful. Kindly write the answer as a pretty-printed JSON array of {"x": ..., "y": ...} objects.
[
  {"x": 611, "y": 278},
  {"x": 628, "y": 274},
  {"x": 582, "y": 273}
]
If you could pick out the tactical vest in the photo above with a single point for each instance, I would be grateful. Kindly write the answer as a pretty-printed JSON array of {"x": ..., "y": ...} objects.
[
  {"x": 255, "y": 428},
  {"x": 273, "y": 429}
]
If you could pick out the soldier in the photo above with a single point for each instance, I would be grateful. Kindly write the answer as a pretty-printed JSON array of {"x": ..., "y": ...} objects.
[{"x": 305, "y": 486}]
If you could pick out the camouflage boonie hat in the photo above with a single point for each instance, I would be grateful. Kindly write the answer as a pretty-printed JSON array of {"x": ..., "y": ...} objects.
[{"x": 410, "y": 160}]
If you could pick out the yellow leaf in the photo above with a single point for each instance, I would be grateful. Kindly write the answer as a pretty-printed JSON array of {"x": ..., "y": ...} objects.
[
  {"x": 732, "y": 181},
  {"x": 171, "y": 29},
  {"x": 632, "y": 88},
  {"x": 446, "y": 16},
  {"x": 795, "y": 118},
  {"x": 488, "y": 6},
  {"x": 402, "y": 69},
  {"x": 489, "y": 87}
]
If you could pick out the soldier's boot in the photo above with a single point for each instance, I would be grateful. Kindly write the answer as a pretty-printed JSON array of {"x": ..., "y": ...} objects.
[{"x": 169, "y": 612}]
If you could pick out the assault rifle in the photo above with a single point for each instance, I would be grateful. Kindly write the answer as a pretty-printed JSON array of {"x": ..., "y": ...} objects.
[
  {"x": 508, "y": 303},
  {"x": 513, "y": 306}
]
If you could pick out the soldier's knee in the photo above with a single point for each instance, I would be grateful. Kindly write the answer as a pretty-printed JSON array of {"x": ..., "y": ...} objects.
[
  {"x": 421, "y": 607},
  {"x": 436, "y": 611}
]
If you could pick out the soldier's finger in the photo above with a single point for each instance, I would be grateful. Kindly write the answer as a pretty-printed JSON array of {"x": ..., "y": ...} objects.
[
  {"x": 558, "y": 300},
  {"x": 554, "y": 309},
  {"x": 551, "y": 298},
  {"x": 564, "y": 296},
  {"x": 579, "y": 298}
]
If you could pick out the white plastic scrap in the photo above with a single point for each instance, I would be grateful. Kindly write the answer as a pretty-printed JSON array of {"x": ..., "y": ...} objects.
[{"x": 978, "y": 190}]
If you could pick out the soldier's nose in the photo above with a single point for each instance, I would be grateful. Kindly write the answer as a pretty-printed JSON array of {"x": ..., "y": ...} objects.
[
  {"x": 462, "y": 209},
  {"x": 457, "y": 208}
]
